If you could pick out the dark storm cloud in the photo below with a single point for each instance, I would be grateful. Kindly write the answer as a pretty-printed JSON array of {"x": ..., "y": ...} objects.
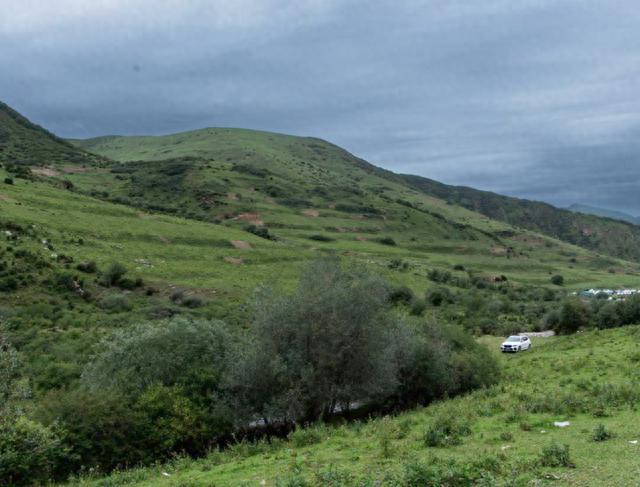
[{"x": 535, "y": 98}]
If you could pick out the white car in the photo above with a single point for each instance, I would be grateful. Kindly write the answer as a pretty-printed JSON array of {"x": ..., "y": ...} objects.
[{"x": 515, "y": 343}]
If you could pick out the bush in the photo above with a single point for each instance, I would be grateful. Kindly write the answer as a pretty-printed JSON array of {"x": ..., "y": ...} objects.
[
  {"x": 262, "y": 232},
  {"x": 556, "y": 455},
  {"x": 29, "y": 452},
  {"x": 115, "y": 303},
  {"x": 113, "y": 274},
  {"x": 557, "y": 279},
  {"x": 89, "y": 267},
  {"x": 8, "y": 180},
  {"x": 401, "y": 295},
  {"x": 387, "y": 241},
  {"x": 438, "y": 296},
  {"x": 446, "y": 430},
  {"x": 171, "y": 352},
  {"x": 321, "y": 238},
  {"x": 306, "y": 436},
  {"x": 601, "y": 433}
]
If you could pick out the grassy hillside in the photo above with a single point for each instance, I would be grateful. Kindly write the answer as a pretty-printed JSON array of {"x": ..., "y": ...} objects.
[
  {"x": 192, "y": 224},
  {"x": 606, "y": 235},
  {"x": 303, "y": 162},
  {"x": 23, "y": 142},
  {"x": 589, "y": 380}
]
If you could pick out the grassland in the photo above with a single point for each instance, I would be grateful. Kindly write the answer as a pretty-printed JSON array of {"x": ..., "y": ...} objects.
[
  {"x": 308, "y": 158},
  {"x": 217, "y": 212},
  {"x": 589, "y": 379}
]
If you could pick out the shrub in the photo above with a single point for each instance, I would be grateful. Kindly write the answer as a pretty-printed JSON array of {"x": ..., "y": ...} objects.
[
  {"x": 89, "y": 267},
  {"x": 306, "y": 436},
  {"x": 418, "y": 307},
  {"x": 8, "y": 180},
  {"x": 438, "y": 296},
  {"x": 192, "y": 302},
  {"x": 126, "y": 283},
  {"x": 29, "y": 452},
  {"x": 446, "y": 430},
  {"x": 115, "y": 303},
  {"x": 557, "y": 280},
  {"x": 262, "y": 232},
  {"x": 601, "y": 433},
  {"x": 321, "y": 238},
  {"x": 113, "y": 274},
  {"x": 556, "y": 455},
  {"x": 440, "y": 473},
  {"x": 164, "y": 353},
  {"x": 401, "y": 295},
  {"x": 387, "y": 241}
]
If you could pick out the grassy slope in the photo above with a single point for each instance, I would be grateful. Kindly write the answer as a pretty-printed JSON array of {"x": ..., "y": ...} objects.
[
  {"x": 606, "y": 235},
  {"x": 278, "y": 152},
  {"x": 580, "y": 378},
  {"x": 316, "y": 175},
  {"x": 23, "y": 142}
]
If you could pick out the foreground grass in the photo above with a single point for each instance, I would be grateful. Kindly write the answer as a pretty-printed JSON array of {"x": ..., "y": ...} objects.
[{"x": 588, "y": 379}]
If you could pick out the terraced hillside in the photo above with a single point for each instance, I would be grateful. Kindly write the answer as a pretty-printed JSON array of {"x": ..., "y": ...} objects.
[{"x": 307, "y": 159}]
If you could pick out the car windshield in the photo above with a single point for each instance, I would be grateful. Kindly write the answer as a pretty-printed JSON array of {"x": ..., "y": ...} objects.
[{"x": 513, "y": 339}]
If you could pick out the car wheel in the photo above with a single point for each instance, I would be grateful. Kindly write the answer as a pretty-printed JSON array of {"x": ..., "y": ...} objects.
[{"x": 519, "y": 349}]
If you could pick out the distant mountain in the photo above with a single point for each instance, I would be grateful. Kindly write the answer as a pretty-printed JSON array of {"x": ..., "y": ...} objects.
[
  {"x": 605, "y": 212},
  {"x": 605, "y": 235}
]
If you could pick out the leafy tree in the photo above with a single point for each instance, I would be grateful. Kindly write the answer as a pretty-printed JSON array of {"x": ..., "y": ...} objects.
[
  {"x": 327, "y": 344},
  {"x": 168, "y": 352},
  {"x": 113, "y": 274},
  {"x": 608, "y": 316},
  {"x": 574, "y": 314}
]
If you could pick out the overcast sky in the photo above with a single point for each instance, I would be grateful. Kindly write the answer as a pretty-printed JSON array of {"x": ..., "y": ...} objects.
[{"x": 533, "y": 98}]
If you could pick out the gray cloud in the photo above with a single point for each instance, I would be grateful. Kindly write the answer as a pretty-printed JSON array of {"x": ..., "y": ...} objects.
[{"x": 535, "y": 98}]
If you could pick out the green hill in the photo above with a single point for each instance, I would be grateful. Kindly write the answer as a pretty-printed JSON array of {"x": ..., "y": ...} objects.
[
  {"x": 251, "y": 206},
  {"x": 298, "y": 167},
  {"x": 190, "y": 225},
  {"x": 25, "y": 143},
  {"x": 593, "y": 232}
]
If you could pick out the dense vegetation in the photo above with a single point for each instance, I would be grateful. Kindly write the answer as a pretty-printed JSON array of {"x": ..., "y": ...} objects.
[
  {"x": 184, "y": 385},
  {"x": 502, "y": 436}
]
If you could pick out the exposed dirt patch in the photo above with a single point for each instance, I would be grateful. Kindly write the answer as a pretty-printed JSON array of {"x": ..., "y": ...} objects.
[
  {"x": 312, "y": 213},
  {"x": 78, "y": 169},
  {"x": 232, "y": 196},
  {"x": 233, "y": 260},
  {"x": 5, "y": 198},
  {"x": 361, "y": 238},
  {"x": 164, "y": 239},
  {"x": 240, "y": 244},
  {"x": 142, "y": 214},
  {"x": 253, "y": 218},
  {"x": 498, "y": 250},
  {"x": 44, "y": 171}
]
